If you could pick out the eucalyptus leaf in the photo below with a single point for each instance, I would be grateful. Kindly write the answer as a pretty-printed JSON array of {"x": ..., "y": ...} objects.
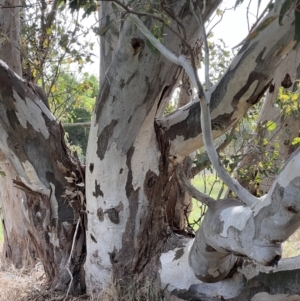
[
  {"x": 238, "y": 2},
  {"x": 284, "y": 8}
]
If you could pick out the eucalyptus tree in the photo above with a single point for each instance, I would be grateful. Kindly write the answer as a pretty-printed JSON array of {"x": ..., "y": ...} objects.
[{"x": 109, "y": 227}]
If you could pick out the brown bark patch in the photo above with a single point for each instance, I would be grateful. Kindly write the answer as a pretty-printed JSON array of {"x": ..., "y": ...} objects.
[
  {"x": 100, "y": 214},
  {"x": 98, "y": 190},
  {"x": 179, "y": 253},
  {"x": 287, "y": 82},
  {"x": 93, "y": 238},
  {"x": 271, "y": 88},
  {"x": 113, "y": 215},
  {"x": 137, "y": 45}
]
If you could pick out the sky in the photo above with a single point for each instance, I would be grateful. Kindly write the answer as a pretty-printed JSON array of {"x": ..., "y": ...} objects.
[{"x": 232, "y": 29}]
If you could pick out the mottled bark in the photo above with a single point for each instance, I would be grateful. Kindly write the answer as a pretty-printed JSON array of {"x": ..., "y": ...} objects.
[
  {"x": 179, "y": 203},
  {"x": 33, "y": 143},
  {"x": 243, "y": 84},
  {"x": 251, "y": 282},
  {"x": 16, "y": 246},
  {"x": 127, "y": 170}
]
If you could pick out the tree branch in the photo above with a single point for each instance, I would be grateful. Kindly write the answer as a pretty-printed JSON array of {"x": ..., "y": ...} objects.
[
  {"x": 195, "y": 193},
  {"x": 235, "y": 92}
]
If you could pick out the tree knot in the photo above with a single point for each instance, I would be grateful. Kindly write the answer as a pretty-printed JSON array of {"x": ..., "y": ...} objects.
[{"x": 137, "y": 45}]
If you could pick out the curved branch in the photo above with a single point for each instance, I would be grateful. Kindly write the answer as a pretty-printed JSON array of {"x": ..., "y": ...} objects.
[{"x": 195, "y": 193}]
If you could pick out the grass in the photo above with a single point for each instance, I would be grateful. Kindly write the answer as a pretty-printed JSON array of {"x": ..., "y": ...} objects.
[{"x": 210, "y": 185}]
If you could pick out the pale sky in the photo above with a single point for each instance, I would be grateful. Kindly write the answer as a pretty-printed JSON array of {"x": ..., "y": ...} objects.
[{"x": 233, "y": 28}]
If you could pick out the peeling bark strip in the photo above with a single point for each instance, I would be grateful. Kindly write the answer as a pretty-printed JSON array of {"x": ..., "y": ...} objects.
[{"x": 34, "y": 143}]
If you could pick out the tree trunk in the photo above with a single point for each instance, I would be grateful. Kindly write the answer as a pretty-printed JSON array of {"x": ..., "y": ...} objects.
[
  {"x": 34, "y": 144},
  {"x": 10, "y": 34},
  {"x": 127, "y": 168},
  {"x": 17, "y": 245}
]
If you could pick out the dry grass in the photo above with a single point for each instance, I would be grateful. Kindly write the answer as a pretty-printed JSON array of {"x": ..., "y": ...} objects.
[
  {"x": 17, "y": 284},
  {"x": 28, "y": 285}
]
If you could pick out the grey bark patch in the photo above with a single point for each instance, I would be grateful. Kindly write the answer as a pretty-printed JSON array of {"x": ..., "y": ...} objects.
[
  {"x": 131, "y": 77},
  {"x": 100, "y": 214},
  {"x": 12, "y": 118},
  {"x": 104, "y": 93},
  {"x": 34, "y": 148},
  {"x": 98, "y": 190},
  {"x": 209, "y": 249},
  {"x": 91, "y": 167},
  {"x": 113, "y": 215},
  {"x": 129, "y": 188},
  {"x": 103, "y": 138},
  {"x": 179, "y": 253},
  {"x": 122, "y": 84},
  {"x": 93, "y": 238}
]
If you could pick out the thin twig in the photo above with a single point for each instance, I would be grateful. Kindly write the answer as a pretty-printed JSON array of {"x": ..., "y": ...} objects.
[
  {"x": 69, "y": 259},
  {"x": 204, "y": 157},
  {"x": 247, "y": 15},
  {"x": 261, "y": 16}
]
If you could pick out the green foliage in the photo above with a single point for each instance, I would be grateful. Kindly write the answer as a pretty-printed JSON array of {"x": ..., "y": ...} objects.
[
  {"x": 50, "y": 39},
  {"x": 296, "y": 141},
  {"x": 71, "y": 92},
  {"x": 220, "y": 58},
  {"x": 77, "y": 136},
  {"x": 288, "y": 101},
  {"x": 270, "y": 125},
  {"x": 210, "y": 184},
  {"x": 72, "y": 100}
]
